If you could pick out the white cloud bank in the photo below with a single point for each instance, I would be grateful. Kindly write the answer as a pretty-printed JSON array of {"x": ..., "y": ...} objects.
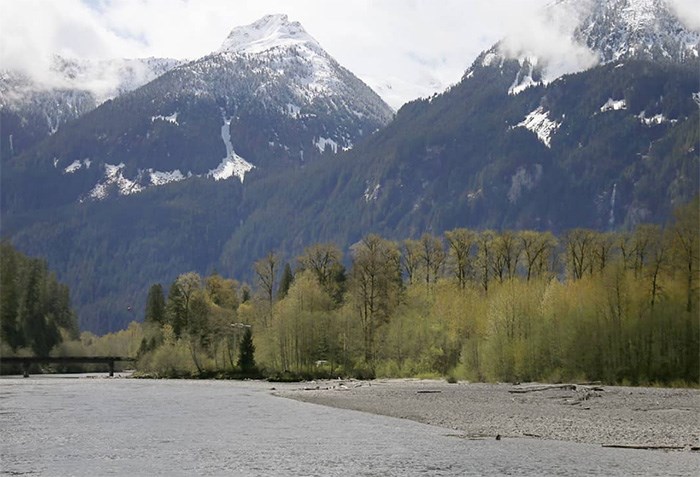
[
  {"x": 688, "y": 11},
  {"x": 548, "y": 36},
  {"x": 407, "y": 47},
  {"x": 412, "y": 47}
]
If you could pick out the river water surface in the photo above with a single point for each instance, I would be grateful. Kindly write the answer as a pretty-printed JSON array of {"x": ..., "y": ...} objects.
[{"x": 96, "y": 426}]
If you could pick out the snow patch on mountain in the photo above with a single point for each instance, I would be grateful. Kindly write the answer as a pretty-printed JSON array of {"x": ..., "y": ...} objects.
[
  {"x": 655, "y": 120},
  {"x": 613, "y": 105},
  {"x": 171, "y": 119},
  {"x": 233, "y": 164},
  {"x": 696, "y": 98},
  {"x": 322, "y": 142},
  {"x": 114, "y": 177},
  {"x": 53, "y": 123},
  {"x": 76, "y": 165},
  {"x": 539, "y": 122},
  {"x": 371, "y": 192},
  {"x": 158, "y": 178},
  {"x": 525, "y": 77},
  {"x": 293, "y": 111}
]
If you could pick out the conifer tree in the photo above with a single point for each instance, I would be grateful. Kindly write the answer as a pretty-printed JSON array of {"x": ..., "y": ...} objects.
[
  {"x": 285, "y": 282},
  {"x": 246, "y": 356},
  {"x": 155, "y": 305}
]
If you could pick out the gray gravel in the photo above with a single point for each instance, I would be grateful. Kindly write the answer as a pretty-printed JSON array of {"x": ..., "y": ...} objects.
[{"x": 606, "y": 415}]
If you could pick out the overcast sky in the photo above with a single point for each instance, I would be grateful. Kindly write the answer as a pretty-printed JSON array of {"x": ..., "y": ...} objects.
[{"x": 418, "y": 46}]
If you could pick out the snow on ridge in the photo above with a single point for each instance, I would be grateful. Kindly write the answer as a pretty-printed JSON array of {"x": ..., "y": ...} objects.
[
  {"x": 655, "y": 120},
  {"x": 271, "y": 31},
  {"x": 171, "y": 119},
  {"x": 322, "y": 142},
  {"x": 639, "y": 13},
  {"x": 114, "y": 176},
  {"x": 525, "y": 83},
  {"x": 161, "y": 178},
  {"x": 523, "y": 80},
  {"x": 74, "y": 166},
  {"x": 613, "y": 105},
  {"x": 696, "y": 98},
  {"x": 489, "y": 59},
  {"x": 539, "y": 122}
]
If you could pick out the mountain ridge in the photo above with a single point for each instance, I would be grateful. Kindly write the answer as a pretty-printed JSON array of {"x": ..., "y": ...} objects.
[
  {"x": 607, "y": 148},
  {"x": 226, "y": 114}
]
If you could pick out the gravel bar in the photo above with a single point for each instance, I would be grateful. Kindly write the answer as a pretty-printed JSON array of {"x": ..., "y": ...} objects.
[{"x": 658, "y": 418}]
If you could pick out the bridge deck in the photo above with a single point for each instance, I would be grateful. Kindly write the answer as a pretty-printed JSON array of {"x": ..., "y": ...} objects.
[{"x": 25, "y": 361}]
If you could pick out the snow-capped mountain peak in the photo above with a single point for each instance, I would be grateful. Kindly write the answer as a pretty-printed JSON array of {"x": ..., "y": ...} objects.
[
  {"x": 574, "y": 35},
  {"x": 271, "y": 31},
  {"x": 635, "y": 29}
]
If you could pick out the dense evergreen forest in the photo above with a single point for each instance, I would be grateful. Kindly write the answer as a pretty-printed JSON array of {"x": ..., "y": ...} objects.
[
  {"x": 477, "y": 305},
  {"x": 35, "y": 311}
]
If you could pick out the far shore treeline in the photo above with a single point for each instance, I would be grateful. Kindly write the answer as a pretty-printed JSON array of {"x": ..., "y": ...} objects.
[{"x": 476, "y": 305}]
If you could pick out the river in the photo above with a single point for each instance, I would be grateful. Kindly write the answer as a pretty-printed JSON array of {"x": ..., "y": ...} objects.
[{"x": 97, "y": 426}]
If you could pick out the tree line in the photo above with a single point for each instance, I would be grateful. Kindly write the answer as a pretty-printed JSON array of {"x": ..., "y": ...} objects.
[
  {"x": 477, "y": 305},
  {"x": 481, "y": 305}
]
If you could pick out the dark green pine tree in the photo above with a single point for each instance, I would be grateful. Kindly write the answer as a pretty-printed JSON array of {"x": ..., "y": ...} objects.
[
  {"x": 177, "y": 309},
  {"x": 285, "y": 282},
  {"x": 155, "y": 305},
  {"x": 40, "y": 334},
  {"x": 246, "y": 355},
  {"x": 10, "y": 331}
]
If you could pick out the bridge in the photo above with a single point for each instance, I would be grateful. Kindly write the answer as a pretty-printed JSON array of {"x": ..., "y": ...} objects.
[{"x": 26, "y": 361}]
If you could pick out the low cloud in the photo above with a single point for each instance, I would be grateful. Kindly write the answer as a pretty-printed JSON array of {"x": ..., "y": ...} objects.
[
  {"x": 415, "y": 46},
  {"x": 34, "y": 32},
  {"x": 689, "y": 13},
  {"x": 548, "y": 36}
]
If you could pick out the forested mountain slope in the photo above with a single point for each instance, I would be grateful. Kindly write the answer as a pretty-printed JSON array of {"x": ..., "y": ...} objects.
[{"x": 511, "y": 146}]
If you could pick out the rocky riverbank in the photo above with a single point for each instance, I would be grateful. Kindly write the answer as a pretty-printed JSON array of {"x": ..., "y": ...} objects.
[{"x": 607, "y": 415}]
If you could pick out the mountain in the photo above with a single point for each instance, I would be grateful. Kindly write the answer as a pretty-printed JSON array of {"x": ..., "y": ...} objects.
[
  {"x": 270, "y": 100},
  {"x": 32, "y": 109},
  {"x": 531, "y": 137},
  {"x": 641, "y": 30},
  {"x": 593, "y": 33},
  {"x": 517, "y": 143}
]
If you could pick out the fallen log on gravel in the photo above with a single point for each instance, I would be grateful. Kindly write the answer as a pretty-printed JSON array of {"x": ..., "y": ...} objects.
[
  {"x": 648, "y": 447},
  {"x": 547, "y": 387}
]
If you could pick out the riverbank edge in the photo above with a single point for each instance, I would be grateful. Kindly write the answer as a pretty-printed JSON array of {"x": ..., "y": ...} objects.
[{"x": 666, "y": 419}]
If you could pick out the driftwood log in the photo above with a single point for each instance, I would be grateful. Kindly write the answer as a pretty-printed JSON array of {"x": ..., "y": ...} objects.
[
  {"x": 650, "y": 447},
  {"x": 544, "y": 387},
  {"x": 548, "y": 387}
]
